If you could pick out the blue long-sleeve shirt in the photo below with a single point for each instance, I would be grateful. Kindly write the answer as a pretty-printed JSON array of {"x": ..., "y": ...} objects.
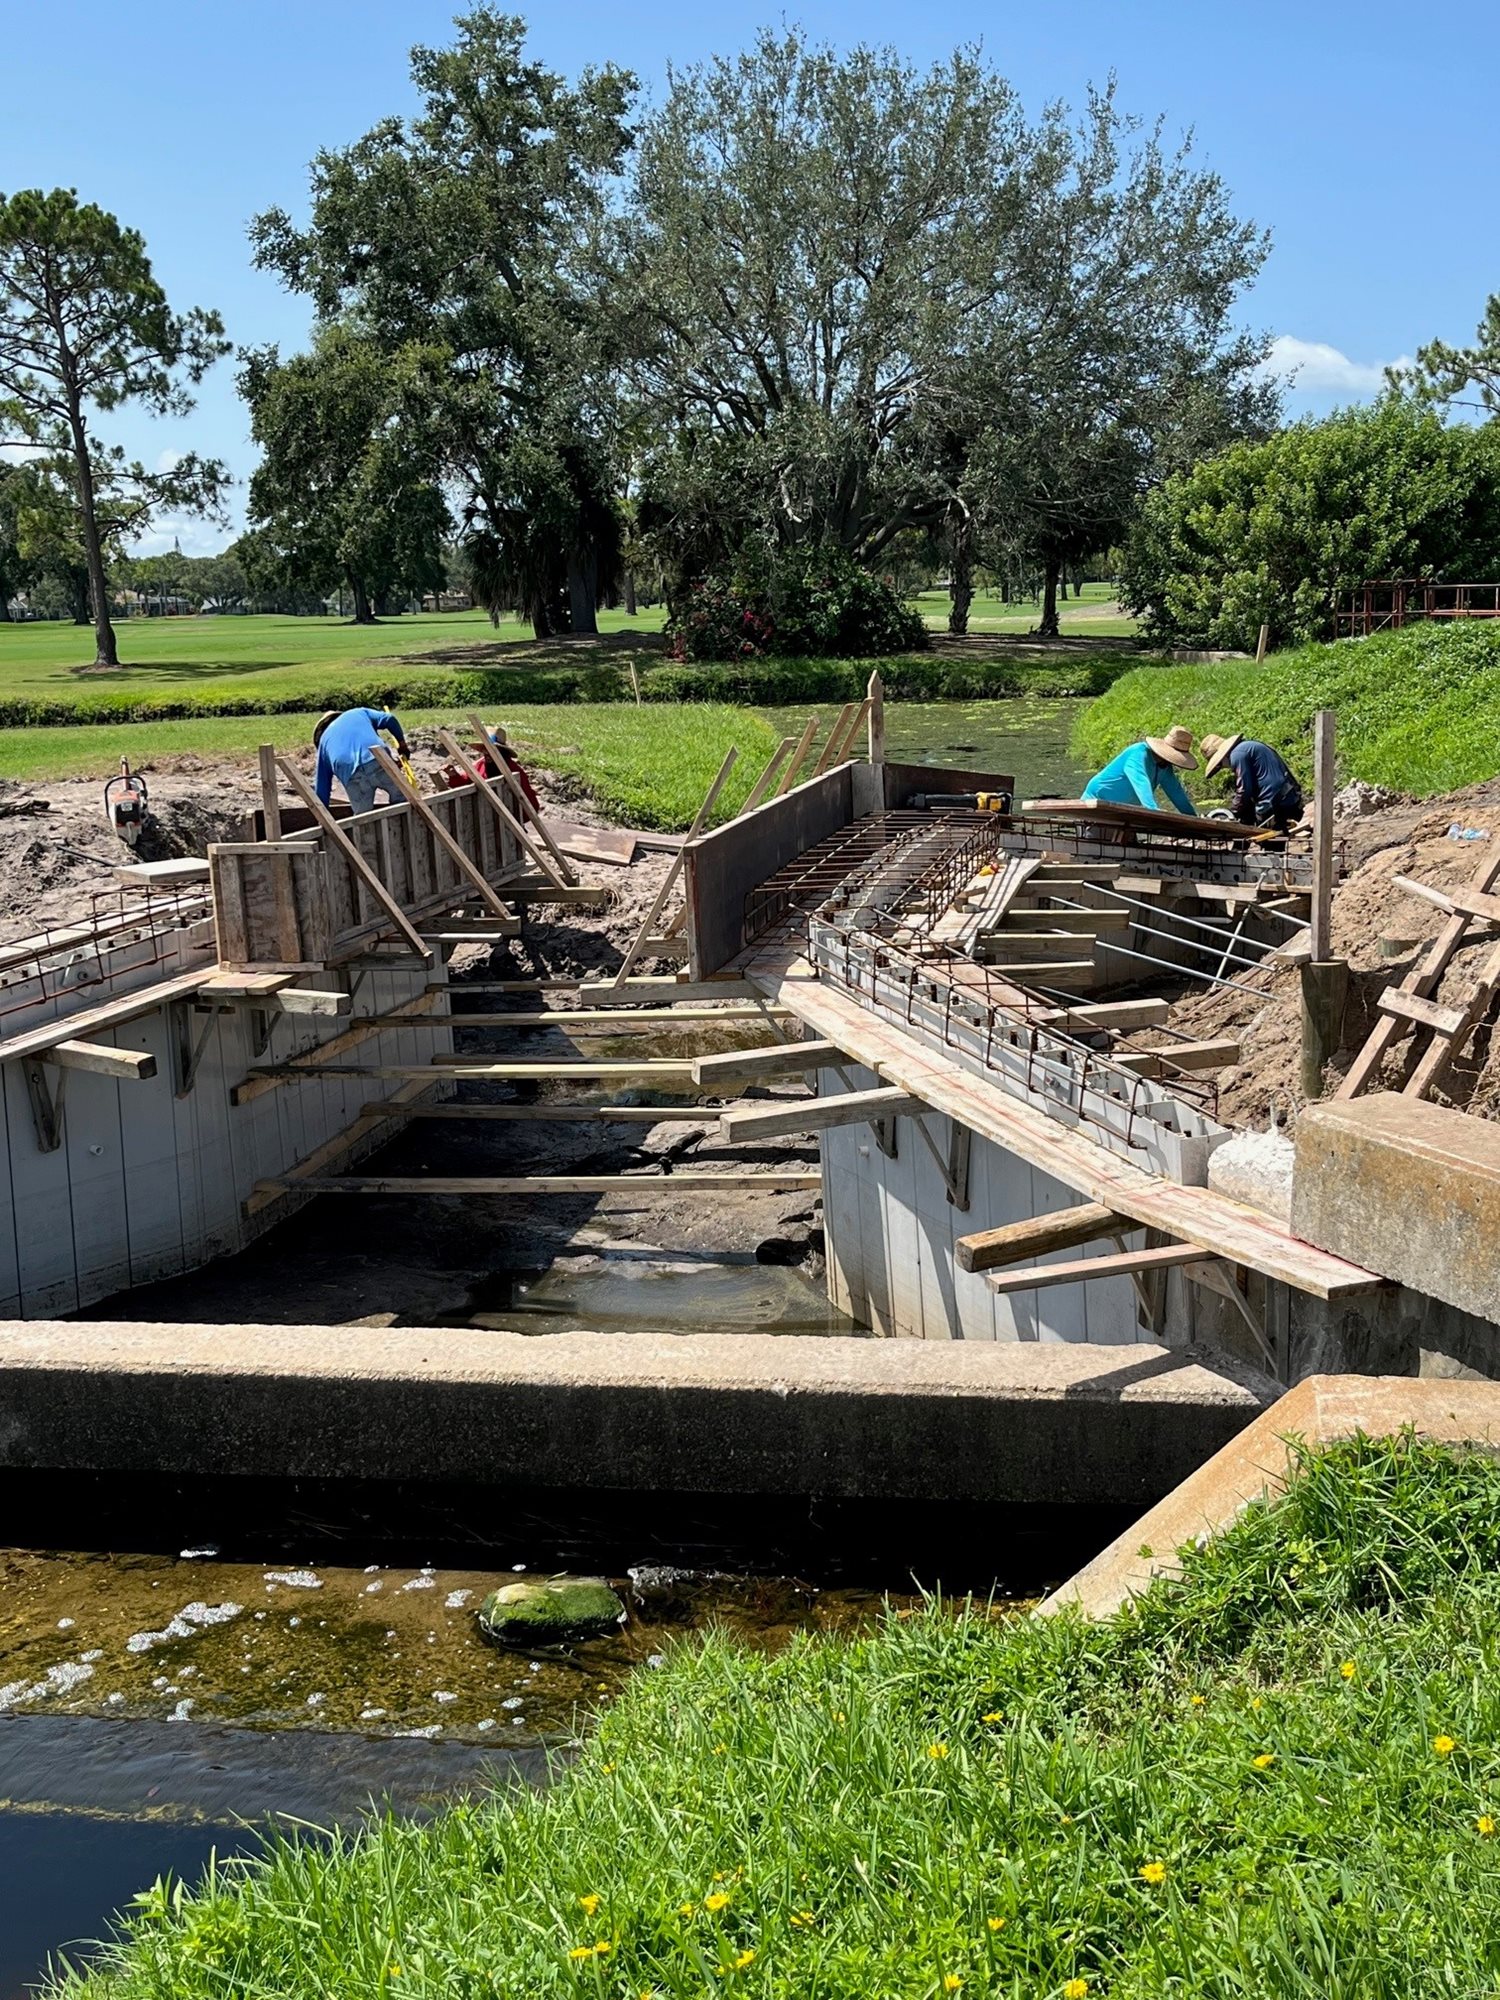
[
  {"x": 1261, "y": 775},
  {"x": 1132, "y": 778},
  {"x": 347, "y": 743}
]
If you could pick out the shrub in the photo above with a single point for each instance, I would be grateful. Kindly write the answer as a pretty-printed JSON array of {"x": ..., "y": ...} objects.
[{"x": 805, "y": 602}]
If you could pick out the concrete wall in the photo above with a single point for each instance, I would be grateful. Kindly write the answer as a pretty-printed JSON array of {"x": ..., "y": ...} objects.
[
  {"x": 891, "y": 1230},
  {"x": 147, "y": 1184}
]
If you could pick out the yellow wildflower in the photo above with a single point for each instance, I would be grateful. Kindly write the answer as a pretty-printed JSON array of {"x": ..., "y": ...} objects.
[
  {"x": 588, "y": 1904},
  {"x": 951, "y": 1982},
  {"x": 995, "y": 1715},
  {"x": 581, "y": 1951},
  {"x": 996, "y": 1923},
  {"x": 721, "y": 1749},
  {"x": 716, "y": 1902},
  {"x": 1264, "y": 1761},
  {"x": 1154, "y": 1872},
  {"x": 744, "y": 1959},
  {"x": 839, "y": 1715},
  {"x": 1256, "y": 1702},
  {"x": 1348, "y": 1670},
  {"x": 1076, "y": 1989},
  {"x": 602, "y": 1947},
  {"x": 938, "y": 1750},
  {"x": 1196, "y": 1700},
  {"x": 1444, "y": 1745},
  {"x": 1485, "y": 1825},
  {"x": 686, "y": 1909},
  {"x": 800, "y": 1919},
  {"x": 606, "y": 1769}
]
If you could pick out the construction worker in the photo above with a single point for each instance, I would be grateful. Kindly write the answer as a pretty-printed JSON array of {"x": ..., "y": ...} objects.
[
  {"x": 346, "y": 744},
  {"x": 1134, "y": 777},
  {"x": 1265, "y": 791}
]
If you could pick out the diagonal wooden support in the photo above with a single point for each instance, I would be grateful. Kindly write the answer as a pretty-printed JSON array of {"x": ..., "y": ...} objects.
[
  {"x": 1084, "y": 1270},
  {"x": 841, "y": 722},
  {"x": 503, "y": 812},
  {"x": 355, "y": 858},
  {"x": 648, "y": 925},
  {"x": 463, "y": 861},
  {"x": 188, "y": 1050},
  {"x": 798, "y": 757},
  {"x": 492, "y": 740},
  {"x": 46, "y": 1103},
  {"x": 763, "y": 783}
]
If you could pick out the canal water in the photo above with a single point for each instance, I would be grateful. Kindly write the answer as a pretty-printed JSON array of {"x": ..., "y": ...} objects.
[{"x": 1027, "y": 737}]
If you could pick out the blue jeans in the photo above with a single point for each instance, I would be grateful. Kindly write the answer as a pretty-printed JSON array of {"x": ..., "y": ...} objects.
[{"x": 362, "y": 785}]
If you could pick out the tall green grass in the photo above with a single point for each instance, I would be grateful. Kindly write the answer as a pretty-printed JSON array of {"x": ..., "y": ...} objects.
[
  {"x": 1418, "y": 709},
  {"x": 1277, "y": 1776}
]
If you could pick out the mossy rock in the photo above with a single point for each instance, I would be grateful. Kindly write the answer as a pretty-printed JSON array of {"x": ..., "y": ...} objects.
[{"x": 542, "y": 1611}]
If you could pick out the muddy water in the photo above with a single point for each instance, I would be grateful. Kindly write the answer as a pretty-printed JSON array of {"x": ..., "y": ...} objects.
[
  {"x": 623, "y": 1292},
  {"x": 1028, "y": 736}
]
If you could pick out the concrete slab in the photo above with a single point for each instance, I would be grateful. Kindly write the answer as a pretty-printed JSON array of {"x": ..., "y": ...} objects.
[
  {"x": 1407, "y": 1188},
  {"x": 1258, "y": 1461},
  {"x": 711, "y": 1414}
]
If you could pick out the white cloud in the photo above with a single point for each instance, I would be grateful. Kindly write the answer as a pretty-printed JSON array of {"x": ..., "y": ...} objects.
[
  {"x": 195, "y": 536},
  {"x": 1317, "y": 369}
]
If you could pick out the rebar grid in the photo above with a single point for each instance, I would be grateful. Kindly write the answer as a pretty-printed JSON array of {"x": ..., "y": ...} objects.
[
  {"x": 62, "y": 958},
  {"x": 814, "y": 874}
]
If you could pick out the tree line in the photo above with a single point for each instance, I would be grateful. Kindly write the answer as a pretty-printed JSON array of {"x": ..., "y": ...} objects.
[{"x": 811, "y": 324}]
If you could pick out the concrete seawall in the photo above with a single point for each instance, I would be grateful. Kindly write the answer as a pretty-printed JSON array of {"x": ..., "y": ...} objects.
[{"x": 743, "y": 1414}]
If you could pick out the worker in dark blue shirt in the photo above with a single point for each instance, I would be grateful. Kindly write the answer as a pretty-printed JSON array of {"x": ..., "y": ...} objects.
[
  {"x": 1266, "y": 792},
  {"x": 346, "y": 744}
]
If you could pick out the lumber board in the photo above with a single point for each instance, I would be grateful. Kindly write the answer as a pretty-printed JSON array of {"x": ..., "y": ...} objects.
[
  {"x": 1142, "y": 819},
  {"x": 336, "y": 831},
  {"x": 598, "y": 1021},
  {"x": 1130, "y": 1263},
  {"x": 312, "y": 1000},
  {"x": 673, "y": 1183},
  {"x": 486, "y": 1069},
  {"x": 1038, "y": 1236},
  {"x": 127, "y": 1065},
  {"x": 1451, "y": 901},
  {"x": 999, "y": 893},
  {"x": 1441, "y": 1050},
  {"x": 89, "y": 1021},
  {"x": 784, "y": 1060},
  {"x": 407, "y": 1100},
  {"x": 508, "y": 820},
  {"x": 1220, "y": 1226},
  {"x": 163, "y": 874},
  {"x": 1177, "y": 1055},
  {"x": 1123, "y": 1015},
  {"x": 1424, "y": 1013},
  {"x": 259, "y": 1082},
  {"x": 613, "y": 845},
  {"x": 256, "y": 986},
  {"x": 659, "y": 901},
  {"x": 492, "y": 740},
  {"x": 606, "y": 993},
  {"x": 555, "y": 1114},
  {"x": 817, "y": 1114}
]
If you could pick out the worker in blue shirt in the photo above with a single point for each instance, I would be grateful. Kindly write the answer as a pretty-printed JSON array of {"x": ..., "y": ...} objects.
[
  {"x": 346, "y": 744},
  {"x": 1136, "y": 775},
  {"x": 1266, "y": 792}
]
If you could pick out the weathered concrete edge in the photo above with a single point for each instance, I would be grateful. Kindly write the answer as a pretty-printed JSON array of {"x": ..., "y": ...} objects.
[
  {"x": 1258, "y": 1462},
  {"x": 711, "y": 1414}
]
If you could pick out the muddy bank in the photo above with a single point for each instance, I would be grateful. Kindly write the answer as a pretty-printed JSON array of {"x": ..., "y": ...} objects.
[{"x": 1382, "y": 931}]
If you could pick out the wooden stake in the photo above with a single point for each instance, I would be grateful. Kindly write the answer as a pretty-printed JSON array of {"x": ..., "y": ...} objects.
[
  {"x": 875, "y": 696},
  {"x": 638, "y": 944},
  {"x": 502, "y": 811},
  {"x": 842, "y": 721},
  {"x": 635, "y": 682},
  {"x": 270, "y": 798},
  {"x": 464, "y": 862},
  {"x": 762, "y": 784},
  {"x": 1261, "y": 643},
  {"x": 1324, "y": 980},
  {"x": 804, "y": 744},
  {"x": 355, "y": 858},
  {"x": 523, "y": 805},
  {"x": 1322, "y": 883}
]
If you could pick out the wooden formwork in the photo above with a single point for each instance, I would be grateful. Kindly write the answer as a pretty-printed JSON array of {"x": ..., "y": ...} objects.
[{"x": 303, "y": 901}]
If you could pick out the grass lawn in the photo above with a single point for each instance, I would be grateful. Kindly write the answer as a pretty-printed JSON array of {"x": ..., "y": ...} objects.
[
  {"x": 1096, "y": 612},
  {"x": 1278, "y": 1775},
  {"x": 642, "y": 766},
  {"x": 1417, "y": 709}
]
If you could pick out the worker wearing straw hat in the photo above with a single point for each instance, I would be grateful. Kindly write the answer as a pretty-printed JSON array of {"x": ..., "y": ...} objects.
[
  {"x": 1137, "y": 774},
  {"x": 1266, "y": 792}
]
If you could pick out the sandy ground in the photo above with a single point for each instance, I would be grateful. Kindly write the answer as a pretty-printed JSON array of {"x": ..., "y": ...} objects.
[
  {"x": 421, "y": 1259},
  {"x": 1381, "y": 930}
]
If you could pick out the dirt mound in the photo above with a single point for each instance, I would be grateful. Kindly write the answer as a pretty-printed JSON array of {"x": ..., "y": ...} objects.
[{"x": 1381, "y": 930}]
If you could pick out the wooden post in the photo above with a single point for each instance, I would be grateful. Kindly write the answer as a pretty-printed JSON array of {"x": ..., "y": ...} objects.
[
  {"x": 270, "y": 798},
  {"x": 1325, "y": 979},
  {"x": 635, "y": 682},
  {"x": 1261, "y": 643},
  {"x": 875, "y": 695}
]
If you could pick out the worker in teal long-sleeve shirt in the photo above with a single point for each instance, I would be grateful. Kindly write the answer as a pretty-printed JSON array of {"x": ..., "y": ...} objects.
[{"x": 1135, "y": 776}]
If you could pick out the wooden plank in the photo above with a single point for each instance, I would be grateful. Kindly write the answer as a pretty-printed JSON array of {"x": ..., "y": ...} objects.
[
  {"x": 596, "y": 1021},
  {"x": 1038, "y": 1236},
  {"x": 256, "y": 986},
  {"x": 231, "y": 927},
  {"x": 673, "y": 1183},
  {"x": 90, "y": 1021},
  {"x": 163, "y": 874},
  {"x": 128, "y": 1065},
  {"x": 648, "y": 923},
  {"x": 773, "y": 764},
  {"x": 355, "y": 857},
  {"x": 817, "y": 1114},
  {"x": 492, "y": 739},
  {"x": 486, "y": 1069},
  {"x": 1119, "y": 1014},
  {"x": 270, "y": 798},
  {"x": 785, "y": 1060},
  {"x": 1220, "y": 1226},
  {"x": 555, "y": 1114},
  {"x": 258, "y": 1085},
  {"x": 788, "y": 777},
  {"x": 1177, "y": 1055},
  {"x": 615, "y": 846},
  {"x": 1441, "y": 1050},
  {"x": 842, "y": 721},
  {"x": 1321, "y": 940},
  {"x": 875, "y": 714},
  {"x": 1426, "y": 1013},
  {"x": 407, "y": 1101},
  {"x": 1141, "y": 819},
  {"x": 1000, "y": 892},
  {"x": 312, "y": 1000},
  {"x": 1451, "y": 901},
  {"x": 1084, "y": 1270},
  {"x": 610, "y": 993}
]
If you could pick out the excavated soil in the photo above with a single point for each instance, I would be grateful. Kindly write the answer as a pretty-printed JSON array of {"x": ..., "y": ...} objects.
[{"x": 1381, "y": 930}]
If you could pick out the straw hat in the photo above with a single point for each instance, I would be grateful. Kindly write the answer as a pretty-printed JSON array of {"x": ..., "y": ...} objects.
[
  {"x": 1215, "y": 749},
  {"x": 328, "y": 716},
  {"x": 1176, "y": 747}
]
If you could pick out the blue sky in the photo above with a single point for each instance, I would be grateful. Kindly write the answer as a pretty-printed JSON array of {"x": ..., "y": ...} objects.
[{"x": 1365, "y": 145}]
